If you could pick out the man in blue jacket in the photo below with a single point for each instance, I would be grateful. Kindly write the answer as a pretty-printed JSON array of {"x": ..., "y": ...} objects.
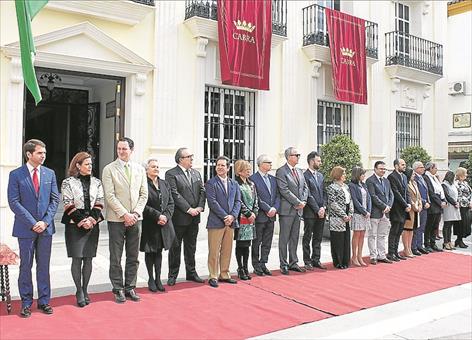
[{"x": 33, "y": 197}]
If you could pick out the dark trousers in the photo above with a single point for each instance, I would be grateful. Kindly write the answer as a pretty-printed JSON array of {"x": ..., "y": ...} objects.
[
  {"x": 289, "y": 234},
  {"x": 432, "y": 223},
  {"x": 187, "y": 234},
  {"x": 447, "y": 231},
  {"x": 128, "y": 237},
  {"x": 313, "y": 233},
  {"x": 262, "y": 244},
  {"x": 341, "y": 246},
  {"x": 394, "y": 237},
  {"x": 39, "y": 248},
  {"x": 418, "y": 233}
]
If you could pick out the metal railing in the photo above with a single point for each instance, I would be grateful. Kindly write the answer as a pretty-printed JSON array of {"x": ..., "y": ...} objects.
[
  {"x": 411, "y": 51},
  {"x": 145, "y": 2},
  {"x": 316, "y": 32},
  {"x": 208, "y": 9}
]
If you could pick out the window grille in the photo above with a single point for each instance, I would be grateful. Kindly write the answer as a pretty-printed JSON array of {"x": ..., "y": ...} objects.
[
  {"x": 408, "y": 130},
  {"x": 333, "y": 119}
]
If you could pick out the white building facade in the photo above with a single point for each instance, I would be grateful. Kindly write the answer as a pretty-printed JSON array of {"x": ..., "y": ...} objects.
[{"x": 152, "y": 68}]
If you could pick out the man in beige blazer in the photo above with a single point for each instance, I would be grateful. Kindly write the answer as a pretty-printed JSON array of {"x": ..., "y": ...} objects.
[{"x": 126, "y": 194}]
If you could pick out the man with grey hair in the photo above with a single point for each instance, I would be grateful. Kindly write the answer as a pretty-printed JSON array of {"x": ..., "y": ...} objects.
[
  {"x": 293, "y": 197},
  {"x": 189, "y": 197},
  {"x": 269, "y": 204},
  {"x": 417, "y": 243}
]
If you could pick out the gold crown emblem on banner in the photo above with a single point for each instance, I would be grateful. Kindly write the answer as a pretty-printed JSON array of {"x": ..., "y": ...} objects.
[
  {"x": 245, "y": 26},
  {"x": 347, "y": 52}
]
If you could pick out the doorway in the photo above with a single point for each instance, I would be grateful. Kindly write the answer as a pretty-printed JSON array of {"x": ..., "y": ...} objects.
[{"x": 79, "y": 112}]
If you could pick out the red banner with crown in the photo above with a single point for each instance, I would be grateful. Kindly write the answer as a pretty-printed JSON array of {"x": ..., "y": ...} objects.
[
  {"x": 244, "y": 38},
  {"x": 347, "y": 44}
]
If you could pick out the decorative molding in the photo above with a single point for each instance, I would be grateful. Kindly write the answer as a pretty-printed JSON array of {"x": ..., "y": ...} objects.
[
  {"x": 409, "y": 97},
  {"x": 16, "y": 75},
  {"x": 140, "y": 84},
  {"x": 323, "y": 54},
  {"x": 315, "y": 68},
  {"x": 427, "y": 91},
  {"x": 123, "y": 12},
  {"x": 395, "y": 84},
  {"x": 201, "y": 47},
  {"x": 412, "y": 74},
  {"x": 459, "y": 8},
  {"x": 426, "y": 6}
]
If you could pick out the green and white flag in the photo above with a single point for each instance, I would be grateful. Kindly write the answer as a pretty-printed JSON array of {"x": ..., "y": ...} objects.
[{"x": 25, "y": 12}]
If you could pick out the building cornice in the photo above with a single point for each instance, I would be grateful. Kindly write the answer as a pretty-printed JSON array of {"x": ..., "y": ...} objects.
[{"x": 459, "y": 7}]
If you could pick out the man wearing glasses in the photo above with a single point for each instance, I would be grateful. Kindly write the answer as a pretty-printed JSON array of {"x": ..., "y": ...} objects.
[
  {"x": 293, "y": 197},
  {"x": 189, "y": 197},
  {"x": 382, "y": 201},
  {"x": 269, "y": 204}
]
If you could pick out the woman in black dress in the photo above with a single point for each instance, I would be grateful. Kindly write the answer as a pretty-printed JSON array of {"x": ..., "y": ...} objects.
[
  {"x": 83, "y": 199},
  {"x": 158, "y": 230}
]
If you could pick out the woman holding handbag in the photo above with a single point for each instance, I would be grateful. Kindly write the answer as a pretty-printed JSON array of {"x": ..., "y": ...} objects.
[{"x": 247, "y": 217}]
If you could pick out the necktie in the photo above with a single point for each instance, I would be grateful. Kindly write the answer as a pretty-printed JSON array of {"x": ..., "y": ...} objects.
[
  {"x": 267, "y": 182},
  {"x": 189, "y": 177},
  {"x": 295, "y": 175},
  {"x": 35, "y": 180},
  {"x": 382, "y": 184},
  {"x": 127, "y": 172}
]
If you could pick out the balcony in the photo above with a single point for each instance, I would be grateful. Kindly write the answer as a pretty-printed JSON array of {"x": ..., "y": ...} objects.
[
  {"x": 120, "y": 11},
  {"x": 201, "y": 16},
  {"x": 316, "y": 41},
  {"x": 413, "y": 58}
]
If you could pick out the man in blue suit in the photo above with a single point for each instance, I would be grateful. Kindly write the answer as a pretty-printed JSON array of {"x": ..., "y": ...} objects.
[
  {"x": 269, "y": 205},
  {"x": 382, "y": 201},
  {"x": 33, "y": 197},
  {"x": 314, "y": 213},
  {"x": 417, "y": 243},
  {"x": 224, "y": 201}
]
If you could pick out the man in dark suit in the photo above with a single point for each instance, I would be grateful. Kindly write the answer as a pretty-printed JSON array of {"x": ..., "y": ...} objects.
[
  {"x": 382, "y": 201},
  {"x": 189, "y": 198},
  {"x": 314, "y": 213},
  {"x": 400, "y": 208},
  {"x": 269, "y": 205},
  {"x": 417, "y": 243},
  {"x": 293, "y": 197},
  {"x": 33, "y": 197},
  {"x": 224, "y": 201}
]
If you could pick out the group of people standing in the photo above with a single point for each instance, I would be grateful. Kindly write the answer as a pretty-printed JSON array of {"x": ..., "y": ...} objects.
[{"x": 147, "y": 213}]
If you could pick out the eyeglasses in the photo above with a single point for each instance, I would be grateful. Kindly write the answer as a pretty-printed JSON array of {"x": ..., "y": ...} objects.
[
  {"x": 267, "y": 162},
  {"x": 189, "y": 156},
  {"x": 296, "y": 155}
]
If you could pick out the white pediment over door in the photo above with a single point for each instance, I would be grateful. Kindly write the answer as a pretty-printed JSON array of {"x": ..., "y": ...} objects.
[{"x": 83, "y": 47}]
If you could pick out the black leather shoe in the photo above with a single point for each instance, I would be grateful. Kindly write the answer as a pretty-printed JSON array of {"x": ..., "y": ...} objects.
[
  {"x": 80, "y": 298},
  {"x": 296, "y": 268},
  {"x": 436, "y": 249},
  {"x": 401, "y": 257},
  {"x": 319, "y": 265},
  {"x": 309, "y": 267},
  {"x": 416, "y": 252},
  {"x": 213, "y": 283},
  {"x": 132, "y": 295},
  {"x": 195, "y": 278},
  {"x": 373, "y": 261},
  {"x": 423, "y": 251},
  {"x": 258, "y": 272},
  {"x": 246, "y": 271},
  {"x": 230, "y": 280},
  {"x": 25, "y": 312},
  {"x": 152, "y": 285},
  {"x": 120, "y": 296},
  {"x": 242, "y": 274},
  {"x": 266, "y": 271},
  {"x": 385, "y": 260},
  {"x": 429, "y": 249},
  {"x": 392, "y": 258},
  {"x": 339, "y": 266},
  {"x": 159, "y": 285},
  {"x": 171, "y": 281},
  {"x": 284, "y": 270},
  {"x": 46, "y": 308}
]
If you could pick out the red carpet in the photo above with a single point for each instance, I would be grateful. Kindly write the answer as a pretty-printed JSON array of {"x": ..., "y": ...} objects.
[
  {"x": 262, "y": 305},
  {"x": 186, "y": 311},
  {"x": 339, "y": 292}
]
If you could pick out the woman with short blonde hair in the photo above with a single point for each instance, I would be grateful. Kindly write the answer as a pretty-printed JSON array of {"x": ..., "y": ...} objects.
[{"x": 464, "y": 194}]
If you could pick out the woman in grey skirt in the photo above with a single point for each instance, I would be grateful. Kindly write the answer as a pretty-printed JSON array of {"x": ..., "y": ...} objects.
[
  {"x": 83, "y": 199},
  {"x": 361, "y": 217}
]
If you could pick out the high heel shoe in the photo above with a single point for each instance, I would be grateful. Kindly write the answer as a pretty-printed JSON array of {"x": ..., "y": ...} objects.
[
  {"x": 152, "y": 285},
  {"x": 86, "y": 296},
  {"x": 79, "y": 295},
  {"x": 452, "y": 247},
  {"x": 159, "y": 285},
  {"x": 354, "y": 262},
  {"x": 361, "y": 261},
  {"x": 242, "y": 274}
]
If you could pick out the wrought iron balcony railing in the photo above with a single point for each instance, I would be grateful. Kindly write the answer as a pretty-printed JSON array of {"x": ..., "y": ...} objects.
[
  {"x": 208, "y": 9},
  {"x": 316, "y": 32},
  {"x": 145, "y": 2},
  {"x": 407, "y": 50}
]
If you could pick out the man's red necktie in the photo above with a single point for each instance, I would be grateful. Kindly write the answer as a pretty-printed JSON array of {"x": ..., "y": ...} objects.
[{"x": 35, "y": 180}]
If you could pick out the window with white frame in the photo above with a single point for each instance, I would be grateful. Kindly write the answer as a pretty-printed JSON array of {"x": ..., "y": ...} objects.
[
  {"x": 402, "y": 26},
  {"x": 332, "y": 119},
  {"x": 229, "y": 126},
  {"x": 408, "y": 130}
]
